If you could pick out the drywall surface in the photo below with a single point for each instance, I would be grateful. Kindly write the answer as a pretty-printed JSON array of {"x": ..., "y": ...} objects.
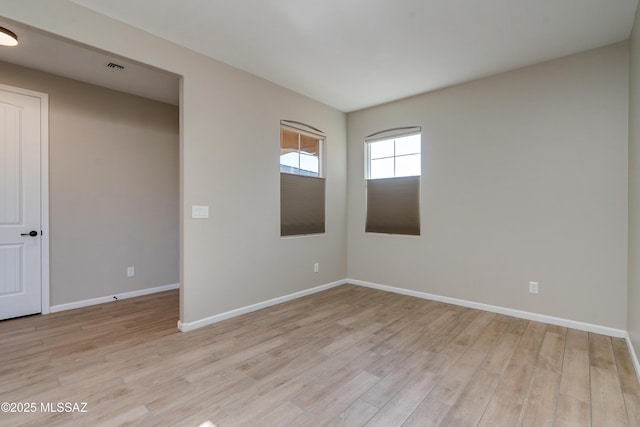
[
  {"x": 229, "y": 148},
  {"x": 524, "y": 178},
  {"x": 633, "y": 309},
  {"x": 113, "y": 187}
]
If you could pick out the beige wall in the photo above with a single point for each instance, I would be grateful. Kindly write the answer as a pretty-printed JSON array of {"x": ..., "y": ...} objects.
[
  {"x": 524, "y": 178},
  {"x": 633, "y": 309},
  {"x": 237, "y": 257},
  {"x": 113, "y": 177},
  {"x": 229, "y": 161}
]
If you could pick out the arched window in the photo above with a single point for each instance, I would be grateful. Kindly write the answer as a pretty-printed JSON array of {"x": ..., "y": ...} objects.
[
  {"x": 302, "y": 183},
  {"x": 393, "y": 181}
]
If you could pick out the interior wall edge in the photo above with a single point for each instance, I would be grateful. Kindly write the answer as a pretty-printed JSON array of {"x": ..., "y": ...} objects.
[{"x": 634, "y": 356}]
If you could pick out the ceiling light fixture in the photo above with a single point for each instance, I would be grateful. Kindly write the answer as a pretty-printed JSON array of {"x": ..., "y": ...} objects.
[{"x": 8, "y": 38}]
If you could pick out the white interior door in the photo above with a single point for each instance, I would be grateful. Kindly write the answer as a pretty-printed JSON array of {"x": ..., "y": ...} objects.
[{"x": 20, "y": 204}]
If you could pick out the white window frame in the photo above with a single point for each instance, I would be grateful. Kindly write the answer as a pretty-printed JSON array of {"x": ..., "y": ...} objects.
[
  {"x": 387, "y": 135},
  {"x": 390, "y": 206},
  {"x": 310, "y": 131},
  {"x": 306, "y": 186}
]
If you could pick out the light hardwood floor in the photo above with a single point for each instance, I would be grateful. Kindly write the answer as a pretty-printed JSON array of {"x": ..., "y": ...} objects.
[{"x": 348, "y": 356}]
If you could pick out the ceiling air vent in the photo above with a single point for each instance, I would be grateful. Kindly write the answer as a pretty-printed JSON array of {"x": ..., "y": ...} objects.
[{"x": 114, "y": 67}]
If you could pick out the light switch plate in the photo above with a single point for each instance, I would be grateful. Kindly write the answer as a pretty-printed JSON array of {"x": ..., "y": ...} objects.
[{"x": 199, "y": 211}]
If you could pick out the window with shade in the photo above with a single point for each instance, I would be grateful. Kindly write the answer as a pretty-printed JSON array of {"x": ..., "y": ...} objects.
[
  {"x": 393, "y": 181},
  {"x": 302, "y": 183}
]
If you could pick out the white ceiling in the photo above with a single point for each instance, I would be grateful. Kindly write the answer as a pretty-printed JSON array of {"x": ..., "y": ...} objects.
[
  {"x": 44, "y": 52},
  {"x": 353, "y": 54},
  {"x": 349, "y": 54}
]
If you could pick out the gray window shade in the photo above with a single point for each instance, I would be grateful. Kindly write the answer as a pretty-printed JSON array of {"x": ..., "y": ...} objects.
[
  {"x": 393, "y": 205},
  {"x": 301, "y": 205}
]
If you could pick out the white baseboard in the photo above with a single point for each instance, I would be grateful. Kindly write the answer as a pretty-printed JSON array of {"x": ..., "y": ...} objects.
[
  {"x": 110, "y": 298},
  {"x": 618, "y": 333},
  {"x": 189, "y": 326},
  {"x": 634, "y": 356},
  {"x": 583, "y": 326}
]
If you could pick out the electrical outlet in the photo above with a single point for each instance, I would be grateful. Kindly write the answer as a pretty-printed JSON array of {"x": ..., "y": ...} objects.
[
  {"x": 316, "y": 267},
  {"x": 533, "y": 287},
  {"x": 131, "y": 271}
]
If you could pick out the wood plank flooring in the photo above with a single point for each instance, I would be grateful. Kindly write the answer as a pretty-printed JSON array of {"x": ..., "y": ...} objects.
[{"x": 348, "y": 356}]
